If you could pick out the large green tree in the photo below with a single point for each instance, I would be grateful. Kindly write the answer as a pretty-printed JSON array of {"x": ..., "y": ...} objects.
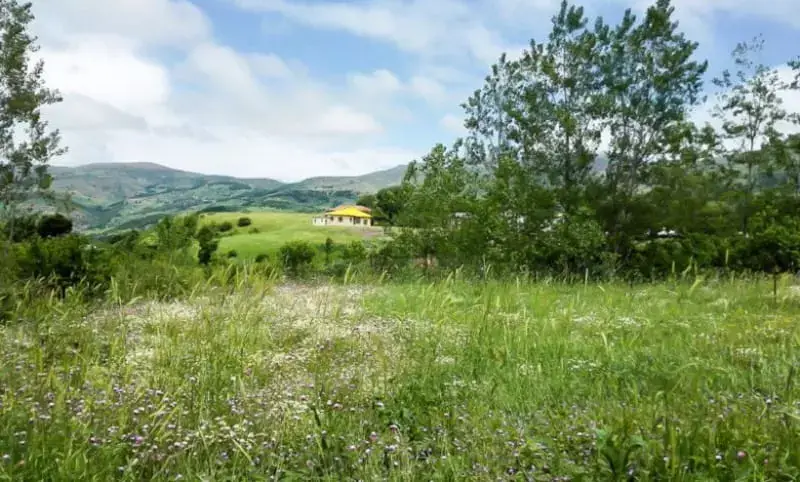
[
  {"x": 27, "y": 144},
  {"x": 650, "y": 81},
  {"x": 556, "y": 122}
]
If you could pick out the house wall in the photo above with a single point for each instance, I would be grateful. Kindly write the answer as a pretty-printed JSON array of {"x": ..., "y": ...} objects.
[{"x": 342, "y": 221}]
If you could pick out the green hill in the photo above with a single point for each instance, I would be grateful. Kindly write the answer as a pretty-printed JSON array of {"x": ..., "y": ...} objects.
[
  {"x": 270, "y": 230},
  {"x": 134, "y": 195}
]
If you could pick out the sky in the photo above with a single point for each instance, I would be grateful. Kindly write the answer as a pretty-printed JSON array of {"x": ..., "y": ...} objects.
[{"x": 290, "y": 89}]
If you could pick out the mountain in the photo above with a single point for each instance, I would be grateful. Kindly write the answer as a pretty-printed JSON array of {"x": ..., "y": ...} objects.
[{"x": 134, "y": 195}]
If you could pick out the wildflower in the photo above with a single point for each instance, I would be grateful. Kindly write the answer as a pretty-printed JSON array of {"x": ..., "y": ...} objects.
[
  {"x": 393, "y": 428},
  {"x": 373, "y": 437},
  {"x": 741, "y": 455}
]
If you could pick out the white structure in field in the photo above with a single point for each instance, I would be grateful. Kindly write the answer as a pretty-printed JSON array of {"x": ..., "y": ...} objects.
[{"x": 345, "y": 216}]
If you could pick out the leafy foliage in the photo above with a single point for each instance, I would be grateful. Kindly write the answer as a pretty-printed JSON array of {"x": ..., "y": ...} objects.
[
  {"x": 23, "y": 160},
  {"x": 54, "y": 225},
  {"x": 527, "y": 190},
  {"x": 297, "y": 257}
]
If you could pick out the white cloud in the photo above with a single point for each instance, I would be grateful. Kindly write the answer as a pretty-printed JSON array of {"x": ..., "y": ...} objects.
[
  {"x": 210, "y": 108},
  {"x": 378, "y": 83},
  {"x": 173, "y": 22},
  {"x": 108, "y": 70},
  {"x": 429, "y": 28},
  {"x": 382, "y": 83},
  {"x": 204, "y": 106},
  {"x": 453, "y": 123},
  {"x": 428, "y": 88}
]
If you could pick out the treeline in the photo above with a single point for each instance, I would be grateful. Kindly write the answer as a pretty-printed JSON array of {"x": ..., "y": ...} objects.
[{"x": 582, "y": 156}]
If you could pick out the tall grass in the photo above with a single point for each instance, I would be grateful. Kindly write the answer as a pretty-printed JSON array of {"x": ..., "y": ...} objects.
[{"x": 447, "y": 380}]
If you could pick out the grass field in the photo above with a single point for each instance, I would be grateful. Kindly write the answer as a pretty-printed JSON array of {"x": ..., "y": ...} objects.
[
  {"x": 278, "y": 228},
  {"x": 450, "y": 381}
]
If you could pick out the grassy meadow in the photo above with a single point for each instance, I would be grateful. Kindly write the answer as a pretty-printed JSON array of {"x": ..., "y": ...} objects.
[
  {"x": 277, "y": 228},
  {"x": 443, "y": 381}
]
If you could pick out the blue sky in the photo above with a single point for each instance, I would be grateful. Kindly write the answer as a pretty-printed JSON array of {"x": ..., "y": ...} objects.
[{"x": 290, "y": 89}]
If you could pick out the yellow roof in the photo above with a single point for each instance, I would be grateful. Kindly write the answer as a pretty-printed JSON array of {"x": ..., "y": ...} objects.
[{"x": 349, "y": 211}]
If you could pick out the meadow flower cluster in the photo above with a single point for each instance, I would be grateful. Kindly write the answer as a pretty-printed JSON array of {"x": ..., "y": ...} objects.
[{"x": 405, "y": 382}]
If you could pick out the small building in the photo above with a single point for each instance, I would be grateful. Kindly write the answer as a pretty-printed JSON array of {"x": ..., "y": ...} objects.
[{"x": 344, "y": 216}]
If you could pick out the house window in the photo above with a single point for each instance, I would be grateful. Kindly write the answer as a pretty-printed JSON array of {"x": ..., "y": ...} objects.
[{"x": 340, "y": 219}]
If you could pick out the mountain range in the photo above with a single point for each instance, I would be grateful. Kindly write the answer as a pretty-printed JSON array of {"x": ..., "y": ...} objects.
[{"x": 134, "y": 195}]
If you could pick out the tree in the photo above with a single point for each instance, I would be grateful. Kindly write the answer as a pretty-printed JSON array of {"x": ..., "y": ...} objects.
[
  {"x": 367, "y": 200},
  {"x": 649, "y": 81},
  {"x": 390, "y": 203},
  {"x": 487, "y": 116},
  {"x": 750, "y": 108},
  {"x": 555, "y": 121},
  {"x": 26, "y": 143}
]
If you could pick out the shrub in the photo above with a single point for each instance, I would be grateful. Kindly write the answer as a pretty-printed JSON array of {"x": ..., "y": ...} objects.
[
  {"x": 232, "y": 253},
  {"x": 64, "y": 262},
  {"x": 208, "y": 245},
  {"x": 328, "y": 248},
  {"x": 297, "y": 257},
  {"x": 54, "y": 225},
  {"x": 354, "y": 253},
  {"x": 225, "y": 226},
  {"x": 243, "y": 222},
  {"x": 391, "y": 256},
  {"x": 21, "y": 228},
  {"x": 254, "y": 231},
  {"x": 262, "y": 257}
]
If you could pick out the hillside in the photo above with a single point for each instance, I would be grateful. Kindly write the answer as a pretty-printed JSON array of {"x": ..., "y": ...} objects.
[{"x": 133, "y": 195}]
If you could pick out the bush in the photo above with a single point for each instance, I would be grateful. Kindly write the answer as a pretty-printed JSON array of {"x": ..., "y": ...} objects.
[
  {"x": 225, "y": 226},
  {"x": 297, "y": 257},
  {"x": 571, "y": 247},
  {"x": 262, "y": 257},
  {"x": 243, "y": 222},
  {"x": 254, "y": 231},
  {"x": 54, "y": 225},
  {"x": 21, "y": 228},
  {"x": 391, "y": 256},
  {"x": 232, "y": 253},
  {"x": 208, "y": 245},
  {"x": 328, "y": 248},
  {"x": 65, "y": 261},
  {"x": 354, "y": 253}
]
